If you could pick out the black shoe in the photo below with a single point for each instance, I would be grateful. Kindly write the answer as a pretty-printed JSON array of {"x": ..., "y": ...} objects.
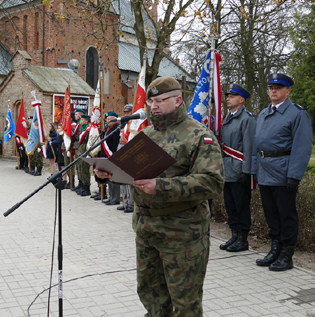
[
  {"x": 273, "y": 254},
  {"x": 121, "y": 208},
  {"x": 284, "y": 261},
  {"x": 128, "y": 209},
  {"x": 98, "y": 197},
  {"x": 110, "y": 203},
  {"x": 241, "y": 244},
  {"x": 223, "y": 246},
  {"x": 106, "y": 201},
  {"x": 67, "y": 186}
]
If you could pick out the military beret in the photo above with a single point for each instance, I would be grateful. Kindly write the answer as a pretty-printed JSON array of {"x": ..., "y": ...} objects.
[
  {"x": 72, "y": 113},
  {"x": 128, "y": 107},
  {"x": 162, "y": 85},
  {"x": 236, "y": 89},
  {"x": 278, "y": 79},
  {"x": 79, "y": 110},
  {"x": 30, "y": 117},
  {"x": 112, "y": 113},
  {"x": 85, "y": 116}
]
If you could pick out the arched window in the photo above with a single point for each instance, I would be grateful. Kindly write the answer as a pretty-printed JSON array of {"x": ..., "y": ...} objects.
[{"x": 91, "y": 67}]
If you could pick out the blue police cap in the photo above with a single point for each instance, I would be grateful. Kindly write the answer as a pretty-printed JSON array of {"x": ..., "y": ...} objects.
[
  {"x": 30, "y": 117},
  {"x": 236, "y": 89},
  {"x": 278, "y": 79}
]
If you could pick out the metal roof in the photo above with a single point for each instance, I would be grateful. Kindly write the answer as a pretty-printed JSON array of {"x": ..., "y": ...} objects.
[
  {"x": 13, "y": 3},
  {"x": 56, "y": 80},
  {"x": 129, "y": 60},
  {"x": 5, "y": 60}
]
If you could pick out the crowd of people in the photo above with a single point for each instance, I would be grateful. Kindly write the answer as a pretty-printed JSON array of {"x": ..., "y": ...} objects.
[{"x": 171, "y": 215}]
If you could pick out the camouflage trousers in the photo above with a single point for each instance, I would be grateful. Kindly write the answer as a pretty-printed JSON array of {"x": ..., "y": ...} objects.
[
  {"x": 170, "y": 278},
  {"x": 84, "y": 173},
  {"x": 36, "y": 159}
]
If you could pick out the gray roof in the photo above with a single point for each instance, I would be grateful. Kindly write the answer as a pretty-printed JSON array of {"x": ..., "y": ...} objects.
[
  {"x": 5, "y": 60},
  {"x": 13, "y": 3},
  {"x": 129, "y": 60},
  {"x": 56, "y": 80},
  {"x": 123, "y": 9}
]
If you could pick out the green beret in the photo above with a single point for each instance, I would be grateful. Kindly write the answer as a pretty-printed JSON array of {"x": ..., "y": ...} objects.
[
  {"x": 161, "y": 85},
  {"x": 79, "y": 110},
  {"x": 72, "y": 113},
  {"x": 112, "y": 113},
  {"x": 86, "y": 116}
]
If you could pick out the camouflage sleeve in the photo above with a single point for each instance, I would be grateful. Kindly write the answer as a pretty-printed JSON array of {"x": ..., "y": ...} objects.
[{"x": 205, "y": 178}]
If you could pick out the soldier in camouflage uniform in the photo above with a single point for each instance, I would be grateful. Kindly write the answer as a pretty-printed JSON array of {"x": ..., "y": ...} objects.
[
  {"x": 171, "y": 217},
  {"x": 83, "y": 167}
]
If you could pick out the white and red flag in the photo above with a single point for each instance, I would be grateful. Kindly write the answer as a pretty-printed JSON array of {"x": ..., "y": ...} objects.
[
  {"x": 95, "y": 122},
  {"x": 21, "y": 124},
  {"x": 66, "y": 119},
  {"x": 134, "y": 126}
]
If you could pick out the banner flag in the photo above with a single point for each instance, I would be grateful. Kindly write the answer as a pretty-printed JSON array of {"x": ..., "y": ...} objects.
[
  {"x": 134, "y": 126},
  {"x": 37, "y": 134},
  {"x": 199, "y": 107},
  {"x": 21, "y": 124},
  {"x": 95, "y": 122},
  {"x": 9, "y": 130},
  {"x": 66, "y": 119}
]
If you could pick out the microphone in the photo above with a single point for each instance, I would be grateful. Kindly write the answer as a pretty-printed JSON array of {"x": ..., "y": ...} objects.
[{"x": 140, "y": 115}]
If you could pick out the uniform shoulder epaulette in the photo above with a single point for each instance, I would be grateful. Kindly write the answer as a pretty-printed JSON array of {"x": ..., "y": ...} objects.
[
  {"x": 299, "y": 107},
  {"x": 249, "y": 113}
]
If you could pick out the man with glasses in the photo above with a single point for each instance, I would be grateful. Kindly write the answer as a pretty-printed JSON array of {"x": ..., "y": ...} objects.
[
  {"x": 282, "y": 149},
  {"x": 171, "y": 216}
]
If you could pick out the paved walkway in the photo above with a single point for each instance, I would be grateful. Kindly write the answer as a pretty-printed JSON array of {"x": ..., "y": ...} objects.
[{"x": 99, "y": 262}]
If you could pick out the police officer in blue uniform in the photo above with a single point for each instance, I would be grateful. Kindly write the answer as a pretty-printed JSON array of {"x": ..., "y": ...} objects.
[
  {"x": 237, "y": 136},
  {"x": 282, "y": 149}
]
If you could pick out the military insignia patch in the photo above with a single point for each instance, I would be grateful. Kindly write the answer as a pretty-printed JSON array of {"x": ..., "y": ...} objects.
[
  {"x": 208, "y": 140},
  {"x": 154, "y": 91}
]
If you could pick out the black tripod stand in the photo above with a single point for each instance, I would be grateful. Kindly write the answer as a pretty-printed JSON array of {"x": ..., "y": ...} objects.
[{"x": 59, "y": 184}]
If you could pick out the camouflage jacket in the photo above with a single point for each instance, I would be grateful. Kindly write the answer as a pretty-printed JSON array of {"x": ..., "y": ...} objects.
[
  {"x": 197, "y": 175},
  {"x": 82, "y": 147}
]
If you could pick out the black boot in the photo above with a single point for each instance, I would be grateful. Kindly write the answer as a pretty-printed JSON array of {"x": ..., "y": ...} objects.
[
  {"x": 284, "y": 261},
  {"x": 38, "y": 172},
  {"x": 241, "y": 244},
  {"x": 32, "y": 170},
  {"x": 85, "y": 191},
  {"x": 223, "y": 246},
  {"x": 273, "y": 254},
  {"x": 67, "y": 186},
  {"x": 80, "y": 188},
  {"x": 98, "y": 194},
  {"x": 74, "y": 189}
]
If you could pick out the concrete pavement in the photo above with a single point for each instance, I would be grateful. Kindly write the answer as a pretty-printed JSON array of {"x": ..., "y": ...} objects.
[{"x": 99, "y": 262}]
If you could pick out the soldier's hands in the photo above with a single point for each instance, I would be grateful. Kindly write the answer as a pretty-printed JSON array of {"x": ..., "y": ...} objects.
[
  {"x": 293, "y": 185},
  {"x": 146, "y": 185},
  {"x": 101, "y": 174}
]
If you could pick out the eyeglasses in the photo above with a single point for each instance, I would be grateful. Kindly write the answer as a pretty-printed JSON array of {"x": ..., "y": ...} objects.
[{"x": 158, "y": 101}]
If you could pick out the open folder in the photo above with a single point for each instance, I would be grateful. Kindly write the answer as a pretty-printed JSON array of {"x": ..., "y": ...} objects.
[{"x": 140, "y": 158}]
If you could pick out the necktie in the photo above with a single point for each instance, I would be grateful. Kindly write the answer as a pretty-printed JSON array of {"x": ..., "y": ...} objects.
[{"x": 273, "y": 108}]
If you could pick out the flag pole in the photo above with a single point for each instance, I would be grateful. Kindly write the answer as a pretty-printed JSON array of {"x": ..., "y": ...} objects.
[
  {"x": 102, "y": 112},
  {"x": 70, "y": 148}
]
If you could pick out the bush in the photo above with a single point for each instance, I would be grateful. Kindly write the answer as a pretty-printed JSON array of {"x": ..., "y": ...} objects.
[{"x": 306, "y": 209}]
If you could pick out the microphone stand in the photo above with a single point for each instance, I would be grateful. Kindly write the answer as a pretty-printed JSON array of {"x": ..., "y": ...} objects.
[{"x": 59, "y": 184}]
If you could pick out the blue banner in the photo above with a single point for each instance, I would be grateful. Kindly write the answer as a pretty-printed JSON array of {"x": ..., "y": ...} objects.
[
  {"x": 9, "y": 130},
  {"x": 199, "y": 106},
  {"x": 34, "y": 138}
]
